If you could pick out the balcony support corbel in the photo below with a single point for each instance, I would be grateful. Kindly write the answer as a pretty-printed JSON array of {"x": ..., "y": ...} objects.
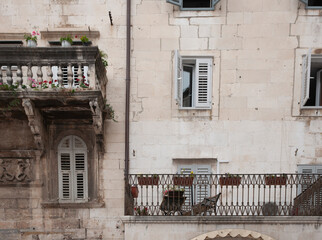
[
  {"x": 98, "y": 123},
  {"x": 35, "y": 122}
]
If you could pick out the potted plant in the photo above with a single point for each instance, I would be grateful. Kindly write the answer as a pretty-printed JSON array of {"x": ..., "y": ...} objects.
[
  {"x": 66, "y": 41},
  {"x": 184, "y": 180},
  {"x": 31, "y": 39},
  {"x": 134, "y": 191},
  {"x": 85, "y": 40},
  {"x": 230, "y": 180},
  {"x": 276, "y": 180},
  {"x": 153, "y": 180},
  {"x": 141, "y": 211},
  {"x": 173, "y": 192}
]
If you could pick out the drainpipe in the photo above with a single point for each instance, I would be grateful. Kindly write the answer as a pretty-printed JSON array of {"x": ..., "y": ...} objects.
[{"x": 127, "y": 100}]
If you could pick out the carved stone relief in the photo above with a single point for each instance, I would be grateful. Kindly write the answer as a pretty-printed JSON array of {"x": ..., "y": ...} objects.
[{"x": 15, "y": 170}]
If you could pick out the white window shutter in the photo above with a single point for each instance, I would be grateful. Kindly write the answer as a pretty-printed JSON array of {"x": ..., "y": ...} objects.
[
  {"x": 305, "y": 179},
  {"x": 214, "y": 2},
  {"x": 306, "y": 76},
  {"x": 178, "y": 77},
  {"x": 54, "y": 70},
  {"x": 72, "y": 170},
  {"x": 65, "y": 173},
  {"x": 203, "y": 83},
  {"x": 203, "y": 185},
  {"x": 175, "y": 2},
  {"x": 305, "y": 1},
  {"x": 80, "y": 176}
]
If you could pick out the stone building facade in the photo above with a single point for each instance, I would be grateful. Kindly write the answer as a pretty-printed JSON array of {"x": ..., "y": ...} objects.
[{"x": 250, "y": 113}]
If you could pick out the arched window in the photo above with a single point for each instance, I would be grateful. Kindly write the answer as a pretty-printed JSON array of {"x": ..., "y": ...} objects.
[{"x": 72, "y": 170}]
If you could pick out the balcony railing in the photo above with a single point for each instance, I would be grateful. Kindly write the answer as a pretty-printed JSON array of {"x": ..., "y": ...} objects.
[
  {"x": 222, "y": 194},
  {"x": 51, "y": 69}
]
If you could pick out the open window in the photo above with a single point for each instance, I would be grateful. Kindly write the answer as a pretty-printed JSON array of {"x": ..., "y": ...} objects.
[
  {"x": 312, "y": 3},
  {"x": 72, "y": 170},
  {"x": 193, "y": 80},
  {"x": 195, "y": 4},
  {"x": 311, "y": 81}
]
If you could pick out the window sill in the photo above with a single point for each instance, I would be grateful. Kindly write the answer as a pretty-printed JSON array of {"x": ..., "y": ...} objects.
[
  {"x": 93, "y": 204},
  {"x": 311, "y": 112}
]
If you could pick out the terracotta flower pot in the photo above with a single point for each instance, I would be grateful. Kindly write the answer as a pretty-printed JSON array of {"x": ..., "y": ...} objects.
[
  {"x": 148, "y": 180},
  {"x": 230, "y": 181},
  {"x": 134, "y": 191},
  {"x": 183, "y": 181},
  {"x": 272, "y": 180}
]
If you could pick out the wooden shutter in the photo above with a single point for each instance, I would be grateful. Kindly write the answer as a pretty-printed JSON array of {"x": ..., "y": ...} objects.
[
  {"x": 65, "y": 174},
  {"x": 306, "y": 76},
  {"x": 178, "y": 77},
  {"x": 203, "y": 187},
  {"x": 80, "y": 181},
  {"x": 214, "y": 2},
  {"x": 203, "y": 83},
  {"x": 175, "y": 2},
  {"x": 72, "y": 170}
]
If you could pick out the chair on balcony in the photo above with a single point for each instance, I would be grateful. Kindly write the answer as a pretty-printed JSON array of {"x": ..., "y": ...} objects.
[{"x": 204, "y": 206}]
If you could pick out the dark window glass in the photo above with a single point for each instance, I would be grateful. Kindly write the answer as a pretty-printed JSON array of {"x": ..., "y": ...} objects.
[
  {"x": 314, "y": 3},
  {"x": 196, "y": 3},
  {"x": 187, "y": 86}
]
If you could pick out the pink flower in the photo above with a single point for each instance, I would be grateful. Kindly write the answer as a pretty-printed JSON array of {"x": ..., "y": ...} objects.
[
  {"x": 0, "y": 83},
  {"x": 33, "y": 33},
  {"x": 33, "y": 85}
]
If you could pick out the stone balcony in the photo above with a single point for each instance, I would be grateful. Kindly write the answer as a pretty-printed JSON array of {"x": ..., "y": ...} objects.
[{"x": 52, "y": 85}]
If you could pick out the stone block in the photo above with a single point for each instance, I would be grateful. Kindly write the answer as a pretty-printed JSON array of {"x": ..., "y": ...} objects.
[
  {"x": 209, "y": 31},
  {"x": 165, "y": 32},
  {"x": 151, "y": 7},
  {"x": 207, "y": 21},
  {"x": 235, "y": 18},
  {"x": 193, "y": 43},
  {"x": 152, "y": 44},
  {"x": 315, "y": 126},
  {"x": 189, "y": 31},
  {"x": 231, "y": 43},
  {"x": 169, "y": 44}
]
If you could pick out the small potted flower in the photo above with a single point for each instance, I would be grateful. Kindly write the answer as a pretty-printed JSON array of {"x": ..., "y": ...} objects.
[
  {"x": 134, "y": 191},
  {"x": 31, "y": 39},
  {"x": 66, "y": 41},
  {"x": 148, "y": 180},
  {"x": 173, "y": 192},
  {"x": 184, "y": 180},
  {"x": 230, "y": 180},
  {"x": 85, "y": 40},
  {"x": 276, "y": 180}
]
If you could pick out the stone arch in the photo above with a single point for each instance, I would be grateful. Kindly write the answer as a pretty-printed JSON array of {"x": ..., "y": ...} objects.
[{"x": 233, "y": 234}]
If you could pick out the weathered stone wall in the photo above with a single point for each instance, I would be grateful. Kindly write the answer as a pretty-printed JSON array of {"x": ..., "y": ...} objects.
[{"x": 255, "y": 123}]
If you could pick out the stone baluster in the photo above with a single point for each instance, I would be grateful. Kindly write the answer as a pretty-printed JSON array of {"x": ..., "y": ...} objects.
[
  {"x": 50, "y": 76},
  {"x": 70, "y": 75},
  {"x": 19, "y": 76},
  {"x": 80, "y": 74},
  {"x": 30, "y": 79},
  {"x": 9, "y": 75},
  {"x": 1, "y": 80},
  {"x": 60, "y": 76},
  {"x": 39, "y": 75}
]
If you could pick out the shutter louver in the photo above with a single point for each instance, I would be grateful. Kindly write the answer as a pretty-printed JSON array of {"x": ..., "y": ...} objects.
[
  {"x": 187, "y": 190},
  {"x": 203, "y": 187},
  {"x": 65, "y": 176},
  {"x": 178, "y": 77},
  {"x": 80, "y": 185},
  {"x": 80, "y": 173},
  {"x": 203, "y": 83},
  {"x": 175, "y": 2},
  {"x": 306, "y": 77}
]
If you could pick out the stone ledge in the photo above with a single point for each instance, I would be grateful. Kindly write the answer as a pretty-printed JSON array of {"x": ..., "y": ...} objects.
[
  {"x": 223, "y": 219},
  {"x": 73, "y": 205}
]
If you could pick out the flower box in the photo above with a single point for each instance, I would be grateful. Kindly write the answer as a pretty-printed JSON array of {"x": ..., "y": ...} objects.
[
  {"x": 174, "y": 193},
  {"x": 229, "y": 181},
  {"x": 148, "y": 180},
  {"x": 272, "y": 180},
  {"x": 183, "y": 181},
  {"x": 134, "y": 191}
]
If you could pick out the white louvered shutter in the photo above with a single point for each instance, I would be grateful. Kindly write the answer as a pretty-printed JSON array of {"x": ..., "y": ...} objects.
[
  {"x": 203, "y": 185},
  {"x": 65, "y": 176},
  {"x": 72, "y": 170},
  {"x": 203, "y": 83},
  {"x": 186, "y": 169},
  {"x": 214, "y": 2},
  {"x": 306, "y": 76},
  {"x": 178, "y": 77},
  {"x": 175, "y": 2},
  {"x": 305, "y": 179}
]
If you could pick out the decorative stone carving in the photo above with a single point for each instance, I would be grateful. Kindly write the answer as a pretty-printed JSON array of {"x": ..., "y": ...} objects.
[
  {"x": 15, "y": 170},
  {"x": 35, "y": 123},
  {"x": 97, "y": 116}
]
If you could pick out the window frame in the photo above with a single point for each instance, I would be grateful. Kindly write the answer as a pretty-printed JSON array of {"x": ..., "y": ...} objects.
[
  {"x": 306, "y": 80},
  {"x": 201, "y": 96},
  {"x": 306, "y": 2},
  {"x": 180, "y": 4},
  {"x": 72, "y": 151}
]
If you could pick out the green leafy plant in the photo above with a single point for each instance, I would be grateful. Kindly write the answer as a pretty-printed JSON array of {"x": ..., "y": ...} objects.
[
  {"x": 84, "y": 39},
  {"x": 68, "y": 38},
  {"x": 32, "y": 36},
  {"x": 110, "y": 112},
  {"x": 103, "y": 57}
]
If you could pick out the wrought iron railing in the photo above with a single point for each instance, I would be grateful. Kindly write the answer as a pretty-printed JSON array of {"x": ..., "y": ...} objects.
[{"x": 218, "y": 194}]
